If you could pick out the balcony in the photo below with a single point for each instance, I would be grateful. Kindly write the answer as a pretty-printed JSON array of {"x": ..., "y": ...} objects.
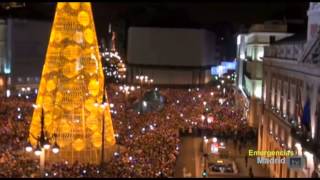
[
  {"x": 297, "y": 132},
  {"x": 306, "y": 141},
  {"x": 289, "y": 52},
  {"x": 284, "y": 118}
]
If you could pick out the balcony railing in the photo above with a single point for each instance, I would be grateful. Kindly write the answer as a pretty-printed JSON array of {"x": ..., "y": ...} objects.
[
  {"x": 298, "y": 133},
  {"x": 306, "y": 141},
  {"x": 276, "y": 112},
  {"x": 290, "y": 51}
]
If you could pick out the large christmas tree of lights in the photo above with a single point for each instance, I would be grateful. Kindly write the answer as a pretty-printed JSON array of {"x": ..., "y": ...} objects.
[{"x": 71, "y": 89}]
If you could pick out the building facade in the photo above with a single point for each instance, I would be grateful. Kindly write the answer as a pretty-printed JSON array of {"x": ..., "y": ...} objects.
[
  {"x": 4, "y": 60},
  {"x": 250, "y": 52},
  {"x": 23, "y": 44},
  {"x": 291, "y": 101},
  {"x": 171, "y": 56}
]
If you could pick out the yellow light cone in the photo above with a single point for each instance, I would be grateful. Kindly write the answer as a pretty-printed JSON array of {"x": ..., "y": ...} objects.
[{"x": 71, "y": 88}]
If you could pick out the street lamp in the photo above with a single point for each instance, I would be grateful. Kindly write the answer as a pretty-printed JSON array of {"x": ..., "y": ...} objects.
[
  {"x": 204, "y": 173},
  {"x": 104, "y": 101},
  {"x": 55, "y": 148},
  {"x": 46, "y": 144},
  {"x": 141, "y": 77},
  {"x": 38, "y": 150},
  {"x": 43, "y": 143},
  {"x": 29, "y": 147}
]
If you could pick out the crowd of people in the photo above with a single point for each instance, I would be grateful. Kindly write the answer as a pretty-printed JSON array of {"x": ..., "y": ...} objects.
[
  {"x": 151, "y": 141},
  {"x": 15, "y": 116}
]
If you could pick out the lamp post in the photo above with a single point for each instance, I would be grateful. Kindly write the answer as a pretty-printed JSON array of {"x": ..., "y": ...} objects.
[
  {"x": 126, "y": 90},
  {"x": 150, "y": 82},
  {"x": 205, "y": 156},
  {"x": 103, "y": 123},
  {"x": 43, "y": 143},
  {"x": 142, "y": 79}
]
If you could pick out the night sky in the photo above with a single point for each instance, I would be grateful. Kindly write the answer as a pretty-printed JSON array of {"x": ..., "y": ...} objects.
[{"x": 225, "y": 19}]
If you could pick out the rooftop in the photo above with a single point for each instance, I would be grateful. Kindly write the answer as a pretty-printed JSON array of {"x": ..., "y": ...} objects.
[
  {"x": 301, "y": 37},
  {"x": 269, "y": 26}
]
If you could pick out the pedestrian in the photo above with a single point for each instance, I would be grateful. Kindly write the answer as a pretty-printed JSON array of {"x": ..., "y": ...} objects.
[
  {"x": 251, "y": 172},
  {"x": 240, "y": 146},
  {"x": 314, "y": 174},
  {"x": 246, "y": 160},
  {"x": 190, "y": 130}
]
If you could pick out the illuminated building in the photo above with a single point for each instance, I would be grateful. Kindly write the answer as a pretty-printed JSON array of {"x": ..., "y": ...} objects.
[
  {"x": 291, "y": 100},
  {"x": 223, "y": 68},
  {"x": 250, "y": 50},
  {"x": 172, "y": 56},
  {"x": 71, "y": 89}
]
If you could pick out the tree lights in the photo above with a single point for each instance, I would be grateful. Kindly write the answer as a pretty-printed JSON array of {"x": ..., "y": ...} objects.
[
  {"x": 113, "y": 65},
  {"x": 72, "y": 82}
]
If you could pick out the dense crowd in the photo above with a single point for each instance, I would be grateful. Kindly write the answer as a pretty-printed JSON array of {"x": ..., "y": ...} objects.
[
  {"x": 15, "y": 115},
  {"x": 151, "y": 141}
]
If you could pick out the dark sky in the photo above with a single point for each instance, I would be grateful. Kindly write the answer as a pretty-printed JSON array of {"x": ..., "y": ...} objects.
[
  {"x": 224, "y": 18},
  {"x": 203, "y": 14}
]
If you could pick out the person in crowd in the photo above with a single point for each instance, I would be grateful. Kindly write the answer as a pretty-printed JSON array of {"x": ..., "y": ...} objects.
[{"x": 150, "y": 146}]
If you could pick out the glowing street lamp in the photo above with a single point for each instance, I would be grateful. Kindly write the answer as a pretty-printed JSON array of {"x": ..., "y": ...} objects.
[
  {"x": 42, "y": 144},
  {"x": 214, "y": 139},
  {"x": 55, "y": 148},
  {"x": 144, "y": 104},
  {"x": 37, "y": 151},
  {"x": 46, "y": 144},
  {"x": 29, "y": 147}
]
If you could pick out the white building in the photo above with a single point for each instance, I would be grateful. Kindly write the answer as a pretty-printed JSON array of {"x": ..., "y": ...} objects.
[
  {"x": 250, "y": 50},
  {"x": 291, "y": 76},
  {"x": 171, "y": 56}
]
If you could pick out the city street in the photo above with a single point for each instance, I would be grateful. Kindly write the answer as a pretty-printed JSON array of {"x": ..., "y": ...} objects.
[
  {"x": 189, "y": 159},
  {"x": 190, "y": 162}
]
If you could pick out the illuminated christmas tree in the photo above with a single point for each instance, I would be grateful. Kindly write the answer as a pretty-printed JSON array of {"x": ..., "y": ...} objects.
[{"x": 72, "y": 88}]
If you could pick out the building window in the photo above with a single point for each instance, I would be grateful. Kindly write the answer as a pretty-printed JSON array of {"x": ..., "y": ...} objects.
[
  {"x": 298, "y": 108},
  {"x": 288, "y": 98},
  {"x": 281, "y": 95},
  {"x": 292, "y": 98},
  {"x": 275, "y": 85},
  {"x": 272, "y": 39},
  {"x": 278, "y": 100}
]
